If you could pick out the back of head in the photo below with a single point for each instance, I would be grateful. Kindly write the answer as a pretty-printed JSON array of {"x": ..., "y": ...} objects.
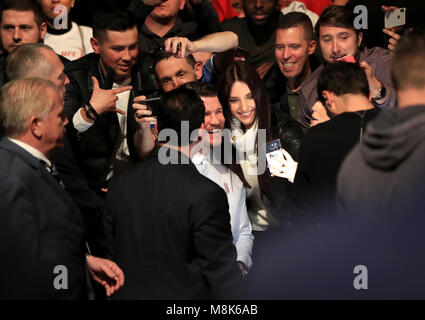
[
  {"x": 163, "y": 55},
  {"x": 178, "y": 106},
  {"x": 202, "y": 89},
  {"x": 342, "y": 78},
  {"x": 28, "y": 61},
  {"x": 112, "y": 19},
  {"x": 20, "y": 100},
  {"x": 408, "y": 67},
  {"x": 23, "y": 5},
  {"x": 336, "y": 16},
  {"x": 295, "y": 19}
]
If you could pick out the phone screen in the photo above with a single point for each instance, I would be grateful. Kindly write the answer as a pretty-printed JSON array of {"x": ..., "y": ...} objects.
[{"x": 273, "y": 154}]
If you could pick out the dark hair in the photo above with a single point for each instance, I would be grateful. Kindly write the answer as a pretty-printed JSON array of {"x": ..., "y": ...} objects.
[
  {"x": 179, "y": 105},
  {"x": 342, "y": 78},
  {"x": 336, "y": 16},
  {"x": 112, "y": 19},
  {"x": 408, "y": 67},
  {"x": 244, "y": 72},
  {"x": 160, "y": 55},
  {"x": 202, "y": 89},
  {"x": 23, "y": 5},
  {"x": 295, "y": 19}
]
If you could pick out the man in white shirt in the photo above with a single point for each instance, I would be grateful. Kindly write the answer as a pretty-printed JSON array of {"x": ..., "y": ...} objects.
[
  {"x": 66, "y": 37},
  {"x": 208, "y": 164}
]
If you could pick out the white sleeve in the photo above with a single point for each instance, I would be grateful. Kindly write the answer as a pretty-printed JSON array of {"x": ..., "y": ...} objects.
[
  {"x": 79, "y": 123},
  {"x": 242, "y": 236}
]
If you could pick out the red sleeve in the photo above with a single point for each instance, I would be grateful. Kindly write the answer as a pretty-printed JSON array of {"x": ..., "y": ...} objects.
[
  {"x": 317, "y": 6},
  {"x": 224, "y": 9}
]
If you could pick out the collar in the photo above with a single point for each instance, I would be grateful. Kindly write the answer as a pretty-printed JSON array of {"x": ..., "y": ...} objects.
[
  {"x": 55, "y": 31},
  {"x": 33, "y": 151},
  {"x": 176, "y": 29}
]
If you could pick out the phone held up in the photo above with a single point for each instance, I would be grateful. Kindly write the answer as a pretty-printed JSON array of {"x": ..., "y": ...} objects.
[
  {"x": 273, "y": 154},
  {"x": 395, "y": 18}
]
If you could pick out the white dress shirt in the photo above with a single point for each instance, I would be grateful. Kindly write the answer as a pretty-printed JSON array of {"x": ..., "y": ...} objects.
[{"x": 236, "y": 195}]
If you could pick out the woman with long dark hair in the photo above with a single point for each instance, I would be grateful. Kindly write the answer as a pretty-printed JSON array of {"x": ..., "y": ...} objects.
[{"x": 247, "y": 110}]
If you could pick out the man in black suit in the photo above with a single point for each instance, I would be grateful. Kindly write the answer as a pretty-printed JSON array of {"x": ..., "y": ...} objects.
[
  {"x": 167, "y": 225},
  {"x": 39, "y": 60},
  {"x": 41, "y": 228}
]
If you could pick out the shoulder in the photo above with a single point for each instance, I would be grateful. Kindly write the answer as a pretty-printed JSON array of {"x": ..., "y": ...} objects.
[
  {"x": 375, "y": 54},
  {"x": 83, "y": 64},
  {"x": 310, "y": 83},
  {"x": 84, "y": 29}
]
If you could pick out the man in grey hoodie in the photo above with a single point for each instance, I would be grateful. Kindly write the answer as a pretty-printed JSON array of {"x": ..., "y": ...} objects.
[{"x": 385, "y": 173}]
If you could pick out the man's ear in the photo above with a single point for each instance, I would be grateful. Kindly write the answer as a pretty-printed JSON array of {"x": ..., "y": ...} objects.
[
  {"x": 330, "y": 101},
  {"x": 43, "y": 30},
  {"x": 198, "y": 71},
  {"x": 182, "y": 3},
  {"x": 36, "y": 127},
  {"x": 312, "y": 47},
  {"x": 95, "y": 44}
]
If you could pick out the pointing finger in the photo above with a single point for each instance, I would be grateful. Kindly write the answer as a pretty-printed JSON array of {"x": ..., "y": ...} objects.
[
  {"x": 118, "y": 110},
  {"x": 122, "y": 89}
]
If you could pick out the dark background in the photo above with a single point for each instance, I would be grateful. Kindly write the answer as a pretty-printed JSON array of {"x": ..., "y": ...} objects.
[{"x": 83, "y": 10}]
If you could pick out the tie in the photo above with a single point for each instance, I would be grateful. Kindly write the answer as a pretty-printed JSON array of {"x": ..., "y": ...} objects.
[{"x": 54, "y": 173}]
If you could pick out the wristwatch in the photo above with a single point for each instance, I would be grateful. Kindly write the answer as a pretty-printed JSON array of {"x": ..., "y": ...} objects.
[{"x": 381, "y": 94}]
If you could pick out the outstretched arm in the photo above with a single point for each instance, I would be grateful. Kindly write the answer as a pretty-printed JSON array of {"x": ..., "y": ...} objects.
[{"x": 215, "y": 42}]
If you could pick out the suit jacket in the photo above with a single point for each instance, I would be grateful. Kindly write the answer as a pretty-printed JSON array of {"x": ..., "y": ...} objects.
[
  {"x": 168, "y": 227},
  {"x": 41, "y": 229}
]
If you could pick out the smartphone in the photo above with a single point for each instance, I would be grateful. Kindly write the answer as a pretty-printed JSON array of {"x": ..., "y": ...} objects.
[
  {"x": 395, "y": 18},
  {"x": 273, "y": 154},
  {"x": 153, "y": 104},
  {"x": 348, "y": 58}
]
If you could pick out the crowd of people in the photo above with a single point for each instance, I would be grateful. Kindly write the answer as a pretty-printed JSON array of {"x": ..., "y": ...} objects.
[{"x": 135, "y": 151}]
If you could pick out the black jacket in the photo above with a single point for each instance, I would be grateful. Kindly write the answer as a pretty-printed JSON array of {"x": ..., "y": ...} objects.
[
  {"x": 168, "y": 227},
  {"x": 93, "y": 148}
]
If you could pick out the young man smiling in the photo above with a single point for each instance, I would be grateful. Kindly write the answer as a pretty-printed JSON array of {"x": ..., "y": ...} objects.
[
  {"x": 103, "y": 86},
  {"x": 338, "y": 38},
  {"x": 295, "y": 61}
]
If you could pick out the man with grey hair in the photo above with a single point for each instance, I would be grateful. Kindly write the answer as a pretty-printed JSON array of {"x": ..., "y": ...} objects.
[
  {"x": 41, "y": 226},
  {"x": 39, "y": 60}
]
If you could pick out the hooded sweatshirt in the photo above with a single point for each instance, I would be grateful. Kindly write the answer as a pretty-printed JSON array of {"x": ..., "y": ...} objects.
[{"x": 385, "y": 173}]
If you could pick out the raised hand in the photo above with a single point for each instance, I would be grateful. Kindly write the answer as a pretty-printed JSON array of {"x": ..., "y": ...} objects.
[
  {"x": 105, "y": 100},
  {"x": 181, "y": 47},
  {"x": 284, "y": 167}
]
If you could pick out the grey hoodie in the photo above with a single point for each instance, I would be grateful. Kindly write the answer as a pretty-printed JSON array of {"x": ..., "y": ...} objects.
[
  {"x": 385, "y": 174},
  {"x": 393, "y": 136}
]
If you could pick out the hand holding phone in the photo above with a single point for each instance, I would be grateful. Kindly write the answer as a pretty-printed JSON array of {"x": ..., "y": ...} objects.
[
  {"x": 280, "y": 162},
  {"x": 395, "y": 18}
]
